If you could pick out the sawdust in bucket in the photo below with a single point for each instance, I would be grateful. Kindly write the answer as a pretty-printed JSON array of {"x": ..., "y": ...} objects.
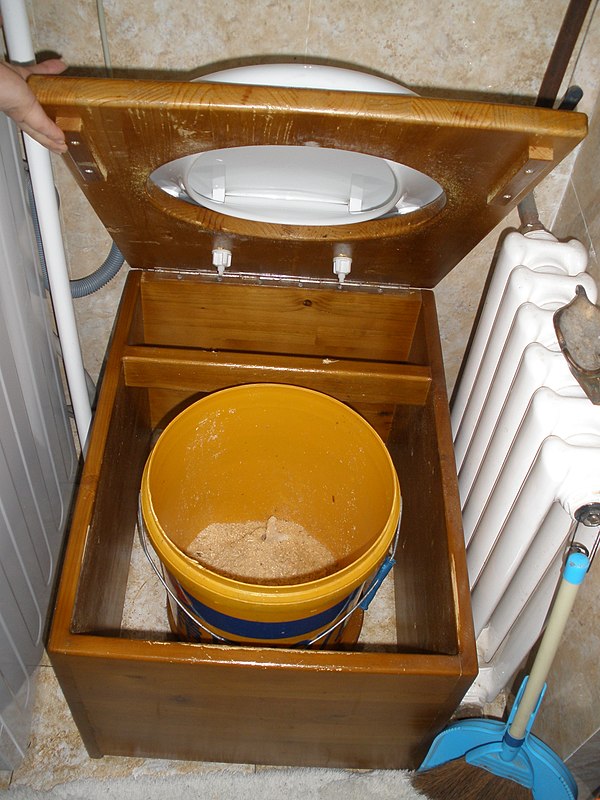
[{"x": 274, "y": 552}]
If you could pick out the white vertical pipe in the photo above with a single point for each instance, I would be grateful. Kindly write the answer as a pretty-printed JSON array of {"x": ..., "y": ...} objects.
[
  {"x": 20, "y": 50},
  {"x": 42, "y": 181}
]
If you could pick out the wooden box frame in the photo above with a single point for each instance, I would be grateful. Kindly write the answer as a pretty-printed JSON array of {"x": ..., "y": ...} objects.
[
  {"x": 181, "y": 332},
  {"x": 131, "y": 696}
]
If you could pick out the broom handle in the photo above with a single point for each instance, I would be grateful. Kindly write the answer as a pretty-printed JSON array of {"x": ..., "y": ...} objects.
[{"x": 574, "y": 572}]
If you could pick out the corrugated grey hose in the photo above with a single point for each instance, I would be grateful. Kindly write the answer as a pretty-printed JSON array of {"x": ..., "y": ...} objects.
[{"x": 82, "y": 287}]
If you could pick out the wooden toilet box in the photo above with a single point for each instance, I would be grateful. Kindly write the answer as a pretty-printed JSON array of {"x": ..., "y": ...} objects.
[{"x": 278, "y": 314}]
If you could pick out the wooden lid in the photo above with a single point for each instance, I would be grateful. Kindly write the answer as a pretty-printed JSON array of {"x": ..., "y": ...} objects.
[{"x": 486, "y": 157}]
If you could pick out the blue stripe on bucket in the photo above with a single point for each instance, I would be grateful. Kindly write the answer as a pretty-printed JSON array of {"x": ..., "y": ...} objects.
[{"x": 263, "y": 630}]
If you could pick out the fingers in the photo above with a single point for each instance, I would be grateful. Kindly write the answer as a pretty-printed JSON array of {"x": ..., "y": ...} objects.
[
  {"x": 37, "y": 125},
  {"x": 54, "y": 145},
  {"x": 52, "y": 66},
  {"x": 18, "y": 101}
]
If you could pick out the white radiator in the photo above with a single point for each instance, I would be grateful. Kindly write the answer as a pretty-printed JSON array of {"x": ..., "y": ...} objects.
[{"x": 527, "y": 445}]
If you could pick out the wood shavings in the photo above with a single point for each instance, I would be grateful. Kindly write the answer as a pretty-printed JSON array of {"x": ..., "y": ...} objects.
[{"x": 274, "y": 552}]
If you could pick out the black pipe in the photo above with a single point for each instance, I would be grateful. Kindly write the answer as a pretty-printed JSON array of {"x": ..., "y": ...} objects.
[
  {"x": 562, "y": 52},
  {"x": 553, "y": 77}
]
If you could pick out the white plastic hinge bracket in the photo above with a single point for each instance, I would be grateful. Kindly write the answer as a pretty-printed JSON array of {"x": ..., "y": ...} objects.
[
  {"x": 221, "y": 259},
  {"x": 218, "y": 183},
  {"x": 357, "y": 190},
  {"x": 342, "y": 266}
]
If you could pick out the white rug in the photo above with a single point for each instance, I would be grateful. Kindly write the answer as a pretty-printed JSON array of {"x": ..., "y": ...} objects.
[{"x": 231, "y": 783}]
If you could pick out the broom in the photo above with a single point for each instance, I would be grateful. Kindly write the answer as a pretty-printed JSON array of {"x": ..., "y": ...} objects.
[{"x": 475, "y": 759}]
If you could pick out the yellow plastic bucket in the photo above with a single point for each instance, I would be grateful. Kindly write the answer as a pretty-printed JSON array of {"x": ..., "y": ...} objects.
[{"x": 251, "y": 452}]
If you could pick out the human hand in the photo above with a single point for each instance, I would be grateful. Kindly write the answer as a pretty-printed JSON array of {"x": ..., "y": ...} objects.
[{"x": 18, "y": 101}]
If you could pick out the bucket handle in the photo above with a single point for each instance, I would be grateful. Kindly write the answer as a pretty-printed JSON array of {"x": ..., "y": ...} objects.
[
  {"x": 363, "y": 601},
  {"x": 158, "y": 572}
]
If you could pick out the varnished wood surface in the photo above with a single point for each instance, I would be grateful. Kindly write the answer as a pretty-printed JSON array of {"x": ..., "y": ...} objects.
[
  {"x": 159, "y": 698},
  {"x": 95, "y": 493},
  {"x": 104, "y": 576},
  {"x": 457, "y": 562},
  {"x": 485, "y": 156},
  {"x": 261, "y": 711},
  {"x": 349, "y": 381},
  {"x": 174, "y": 378},
  {"x": 278, "y": 319},
  {"x": 433, "y": 552}
]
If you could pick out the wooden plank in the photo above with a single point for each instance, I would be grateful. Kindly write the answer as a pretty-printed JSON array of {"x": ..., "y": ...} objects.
[
  {"x": 279, "y": 319},
  {"x": 115, "y": 510},
  {"x": 442, "y": 442},
  {"x": 97, "y": 526},
  {"x": 175, "y": 378},
  {"x": 259, "y": 705},
  {"x": 432, "y": 538},
  {"x": 473, "y": 150},
  {"x": 349, "y": 381}
]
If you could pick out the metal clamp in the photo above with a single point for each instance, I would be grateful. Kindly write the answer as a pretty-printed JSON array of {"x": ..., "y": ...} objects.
[{"x": 589, "y": 515}]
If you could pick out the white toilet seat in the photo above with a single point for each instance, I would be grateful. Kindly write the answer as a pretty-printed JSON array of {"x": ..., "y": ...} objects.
[{"x": 299, "y": 184}]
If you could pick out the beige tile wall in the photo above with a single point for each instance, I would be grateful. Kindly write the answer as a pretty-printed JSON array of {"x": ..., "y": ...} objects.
[{"x": 484, "y": 49}]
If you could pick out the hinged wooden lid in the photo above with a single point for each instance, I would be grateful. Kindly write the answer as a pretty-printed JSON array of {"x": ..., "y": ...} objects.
[{"x": 486, "y": 157}]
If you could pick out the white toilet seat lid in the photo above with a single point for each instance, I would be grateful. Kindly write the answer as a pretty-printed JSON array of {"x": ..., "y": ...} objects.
[{"x": 294, "y": 185}]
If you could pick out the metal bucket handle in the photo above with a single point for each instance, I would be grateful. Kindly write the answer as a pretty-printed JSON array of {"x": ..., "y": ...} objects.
[{"x": 363, "y": 601}]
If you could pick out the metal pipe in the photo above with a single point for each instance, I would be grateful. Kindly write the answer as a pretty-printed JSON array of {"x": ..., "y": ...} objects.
[
  {"x": 20, "y": 50},
  {"x": 562, "y": 52},
  {"x": 555, "y": 72}
]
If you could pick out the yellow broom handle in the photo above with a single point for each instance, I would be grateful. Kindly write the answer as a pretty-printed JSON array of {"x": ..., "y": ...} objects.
[{"x": 575, "y": 569}]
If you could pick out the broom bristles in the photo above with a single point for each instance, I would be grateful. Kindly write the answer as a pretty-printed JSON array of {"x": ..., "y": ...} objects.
[{"x": 459, "y": 780}]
